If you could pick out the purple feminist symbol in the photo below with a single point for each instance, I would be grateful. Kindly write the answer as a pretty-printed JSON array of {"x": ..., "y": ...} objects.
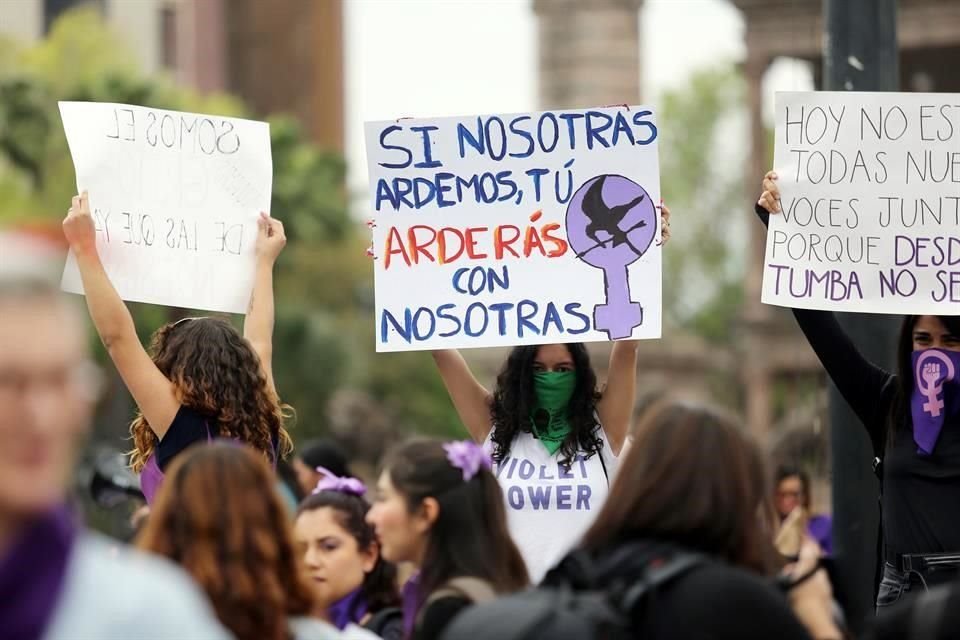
[
  {"x": 611, "y": 222},
  {"x": 930, "y": 377}
]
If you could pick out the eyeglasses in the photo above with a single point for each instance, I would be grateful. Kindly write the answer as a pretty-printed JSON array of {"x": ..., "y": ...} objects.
[{"x": 84, "y": 377}]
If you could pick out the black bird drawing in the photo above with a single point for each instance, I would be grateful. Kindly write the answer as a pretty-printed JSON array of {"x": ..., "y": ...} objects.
[{"x": 606, "y": 218}]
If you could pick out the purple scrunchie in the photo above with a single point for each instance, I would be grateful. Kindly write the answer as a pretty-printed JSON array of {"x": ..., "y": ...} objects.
[
  {"x": 467, "y": 456},
  {"x": 332, "y": 482}
]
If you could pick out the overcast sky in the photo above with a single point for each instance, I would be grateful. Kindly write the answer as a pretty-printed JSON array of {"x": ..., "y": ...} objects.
[{"x": 427, "y": 58}]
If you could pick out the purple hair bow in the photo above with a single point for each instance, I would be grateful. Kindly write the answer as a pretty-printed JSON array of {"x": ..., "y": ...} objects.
[
  {"x": 467, "y": 456},
  {"x": 332, "y": 482}
]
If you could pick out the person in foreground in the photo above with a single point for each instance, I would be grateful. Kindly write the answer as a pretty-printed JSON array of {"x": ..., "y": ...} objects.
[
  {"x": 220, "y": 517},
  {"x": 717, "y": 507},
  {"x": 57, "y": 581}
]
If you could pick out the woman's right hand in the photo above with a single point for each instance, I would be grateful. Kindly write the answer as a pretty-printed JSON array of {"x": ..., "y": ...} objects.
[
  {"x": 78, "y": 226},
  {"x": 770, "y": 198},
  {"x": 812, "y": 598}
]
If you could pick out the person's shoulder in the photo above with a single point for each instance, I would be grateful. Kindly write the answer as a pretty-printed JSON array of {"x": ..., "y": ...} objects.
[
  {"x": 112, "y": 589},
  {"x": 723, "y": 582},
  {"x": 304, "y": 628},
  {"x": 734, "y": 602}
]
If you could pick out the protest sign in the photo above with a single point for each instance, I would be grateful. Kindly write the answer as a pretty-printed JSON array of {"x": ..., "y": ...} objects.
[
  {"x": 515, "y": 229},
  {"x": 870, "y": 188},
  {"x": 175, "y": 199}
]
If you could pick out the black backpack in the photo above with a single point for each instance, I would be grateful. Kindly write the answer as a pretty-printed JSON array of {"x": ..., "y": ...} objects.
[
  {"x": 577, "y": 601},
  {"x": 386, "y": 623}
]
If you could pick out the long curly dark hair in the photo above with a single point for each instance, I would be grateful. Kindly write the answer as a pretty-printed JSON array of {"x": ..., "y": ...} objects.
[
  {"x": 218, "y": 374},
  {"x": 514, "y": 399},
  {"x": 220, "y": 518}
]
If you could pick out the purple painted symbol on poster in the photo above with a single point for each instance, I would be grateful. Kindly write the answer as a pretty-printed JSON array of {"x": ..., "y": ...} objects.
[{"x": 611, "y": 222}]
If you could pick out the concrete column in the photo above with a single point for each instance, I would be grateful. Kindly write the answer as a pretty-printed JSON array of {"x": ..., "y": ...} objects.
[{"x": 589, "y": 52}]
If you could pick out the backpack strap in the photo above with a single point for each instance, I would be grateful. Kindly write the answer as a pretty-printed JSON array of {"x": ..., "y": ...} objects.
[
  {"x": 658, "y": 575},
  {"x": 927, "y": 616},
  {"x": 379, "y": 620},
  {"x": 476, "y": 590}
]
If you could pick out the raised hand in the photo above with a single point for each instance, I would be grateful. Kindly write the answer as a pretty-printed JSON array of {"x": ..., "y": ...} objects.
[
  {"x": 270, "y": 238},
  {"x": 78, "y": 225},
  {"x": 664, "y": 223},
  {"x": 770, "y": 198}
]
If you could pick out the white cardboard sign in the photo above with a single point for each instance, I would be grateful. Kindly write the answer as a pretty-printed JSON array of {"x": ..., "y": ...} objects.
[
  {"x": 175, "y": 198},
  {"x": 502, "y": 230}
]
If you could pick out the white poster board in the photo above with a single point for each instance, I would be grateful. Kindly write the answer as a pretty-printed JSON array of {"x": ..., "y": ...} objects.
[
  {"x": 175, "y": 199},
  {"x": 502, "y": 230},
  {"x": 870, "y": 188}
]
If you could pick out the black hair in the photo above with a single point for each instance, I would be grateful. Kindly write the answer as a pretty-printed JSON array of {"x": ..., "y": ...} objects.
[
  {"x": 470, "y": 536},
  {"x": 785, "y": 471},
  {"x": 325, "y": 453},
  {"x": 900, "y": 413},
  {"x": 379, "y": 585},
  {"x": 514, "y": 399}
]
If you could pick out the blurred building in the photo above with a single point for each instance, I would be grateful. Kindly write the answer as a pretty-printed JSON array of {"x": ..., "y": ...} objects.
[
  {"x": 277, "y": 55},
  {"x": 590, "y": 55},
  {"x": 929, "y": 36}
]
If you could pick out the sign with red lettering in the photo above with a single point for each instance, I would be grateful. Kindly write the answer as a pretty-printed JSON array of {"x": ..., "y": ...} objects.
[
  {"x": 870, "y": 188},
  {"x": 515, "y": 229}
]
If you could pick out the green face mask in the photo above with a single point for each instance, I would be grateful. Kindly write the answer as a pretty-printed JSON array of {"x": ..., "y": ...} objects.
[{"x": 553, "y": 391}]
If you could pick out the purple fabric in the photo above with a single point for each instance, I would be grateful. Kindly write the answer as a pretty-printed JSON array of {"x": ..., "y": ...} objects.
[
  {"x": 467, "y": 456},
  {"x": 350, "y": 608},
  {"x": 820, "y": 528},
  {"x": 332, "y": 482},
  {"x": 411, "y": 604},
  {"x": 150, "y": 478},
  {"x": 935, "y": 396},
  {"x": 32, "y": 575}
]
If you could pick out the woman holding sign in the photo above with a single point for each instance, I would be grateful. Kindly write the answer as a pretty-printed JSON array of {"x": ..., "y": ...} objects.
[
  {"x": 913, "y": 419},
  {"x": 202, "y": 378},
  {"x": 554, "y": 436}
]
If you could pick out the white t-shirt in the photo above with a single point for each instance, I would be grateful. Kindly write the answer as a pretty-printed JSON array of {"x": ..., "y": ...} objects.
[
  {"x": 112, "y": 592},
  {"x": 548, "y": 508}
]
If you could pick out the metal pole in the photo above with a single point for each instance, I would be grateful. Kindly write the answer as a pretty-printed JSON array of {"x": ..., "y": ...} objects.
[{"x": 860, "y": 54}]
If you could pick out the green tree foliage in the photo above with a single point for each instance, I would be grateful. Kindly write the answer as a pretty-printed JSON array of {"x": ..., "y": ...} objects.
[
  {"x": 703, "y": 264},
  {"x": 81, "y": 59}
]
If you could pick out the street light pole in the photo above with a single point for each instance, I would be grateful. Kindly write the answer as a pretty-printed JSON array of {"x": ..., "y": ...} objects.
[{"x": 860, "y": 54}]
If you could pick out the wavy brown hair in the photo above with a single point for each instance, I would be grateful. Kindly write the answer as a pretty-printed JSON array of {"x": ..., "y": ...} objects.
[
  {"x": 219, "y": 517},
  {"x": 216, "y": 373}
]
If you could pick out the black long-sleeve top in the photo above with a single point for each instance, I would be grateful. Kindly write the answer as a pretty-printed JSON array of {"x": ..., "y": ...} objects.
[{"x": 921, "y": 494}]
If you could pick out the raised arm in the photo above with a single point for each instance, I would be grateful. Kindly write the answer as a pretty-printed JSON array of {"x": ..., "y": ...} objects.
[
  {"x": 620, "y": 393},
  {"x": 471, "y": 400},
  {"x": 151, "y": 390},
  {"x": 258, "y": 324},
  {"x": 859, "y": 381}
]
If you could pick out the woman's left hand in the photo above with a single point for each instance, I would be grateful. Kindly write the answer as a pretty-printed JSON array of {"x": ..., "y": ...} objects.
[
  {"x": 664, "y": 224},
  {"x": 270, "y": 238}
]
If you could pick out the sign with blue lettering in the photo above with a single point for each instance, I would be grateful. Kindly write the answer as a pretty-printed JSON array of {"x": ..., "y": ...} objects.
[{"x": 515, "y": 229}]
